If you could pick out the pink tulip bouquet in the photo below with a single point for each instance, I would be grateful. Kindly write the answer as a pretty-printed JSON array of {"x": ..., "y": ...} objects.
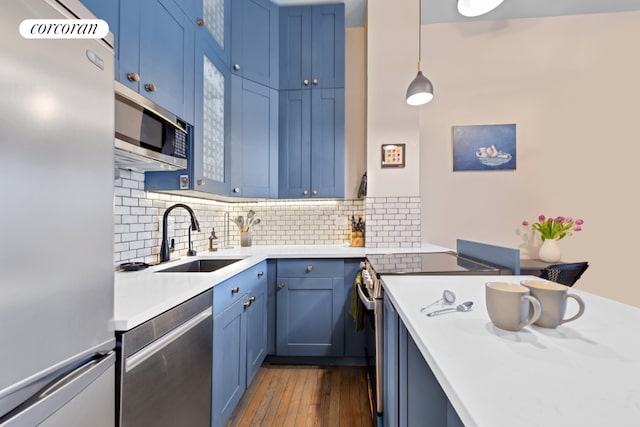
[{"x": 555, "y": 228}]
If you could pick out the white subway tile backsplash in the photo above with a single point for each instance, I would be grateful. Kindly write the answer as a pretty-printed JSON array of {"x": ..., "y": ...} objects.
[
  {"x": 393, "y": 222},
  {"x": 139, "y": 213}
]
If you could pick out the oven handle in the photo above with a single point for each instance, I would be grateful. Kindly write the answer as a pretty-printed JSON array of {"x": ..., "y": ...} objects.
[{"x": 369, "y": 304}]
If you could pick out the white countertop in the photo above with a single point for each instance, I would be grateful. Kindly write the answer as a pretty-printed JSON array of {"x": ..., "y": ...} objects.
[
  {"x": 584, "y": 373},
  {"x": 142, "y": 295}
]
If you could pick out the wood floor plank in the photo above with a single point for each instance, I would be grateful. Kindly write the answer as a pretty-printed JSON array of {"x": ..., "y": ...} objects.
[
  {"x": 304, "y": 395},
  {"x": 279, "y": 380},
  {"x": 309, "y": 383},
  {"x": 249, "y": 404}
]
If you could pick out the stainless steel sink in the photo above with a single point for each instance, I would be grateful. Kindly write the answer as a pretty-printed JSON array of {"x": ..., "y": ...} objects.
[{"x": 200, "y": 266}]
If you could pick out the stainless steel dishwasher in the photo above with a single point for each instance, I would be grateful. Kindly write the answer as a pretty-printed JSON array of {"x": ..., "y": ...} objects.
[{"x": 164, "y": 368}]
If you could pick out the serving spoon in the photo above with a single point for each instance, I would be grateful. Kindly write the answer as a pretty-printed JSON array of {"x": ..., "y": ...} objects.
[
  {"x": 448, "y": 297},
  {"x": 465, "y": 306}
]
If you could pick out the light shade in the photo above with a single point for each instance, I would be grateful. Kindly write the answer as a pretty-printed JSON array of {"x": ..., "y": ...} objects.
[
  {"x": 477, "y": 7},
  {"x": 420, "y": 90}
]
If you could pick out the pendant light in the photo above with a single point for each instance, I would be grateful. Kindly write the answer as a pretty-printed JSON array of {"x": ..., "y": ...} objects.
[
  {"x": 420, "y": 90},
  {"x": 473, "y": 8}
]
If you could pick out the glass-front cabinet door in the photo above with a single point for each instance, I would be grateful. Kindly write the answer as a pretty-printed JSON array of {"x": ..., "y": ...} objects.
[
  {"x": 211, "y": 145},
  {"x": 213, "y": 18}
]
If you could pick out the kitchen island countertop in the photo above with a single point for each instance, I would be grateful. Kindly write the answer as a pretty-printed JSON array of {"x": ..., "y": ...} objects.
[
  {"x": 142, "y": 295},
  {"x": 583, "y": 373}
]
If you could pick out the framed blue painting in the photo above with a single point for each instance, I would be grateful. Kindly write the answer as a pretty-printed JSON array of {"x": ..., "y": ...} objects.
[{"x": 484, "y": 147}]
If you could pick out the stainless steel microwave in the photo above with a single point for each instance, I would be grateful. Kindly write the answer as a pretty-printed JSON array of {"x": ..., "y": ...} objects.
[{"x": 148, "y": 137}]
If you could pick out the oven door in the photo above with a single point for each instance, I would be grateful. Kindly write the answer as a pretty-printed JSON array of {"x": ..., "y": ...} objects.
[{"x": 374, "y": 349}]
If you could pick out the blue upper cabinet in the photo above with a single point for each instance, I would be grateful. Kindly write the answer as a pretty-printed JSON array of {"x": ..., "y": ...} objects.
[
  {"x": 295, "y": 144},
  {"x": 311, "y": 156},
  {"x": 209, "y": 151},
  {"x": 254, "y": 139},
  {"x": 254, "y": 99},
  {"x": 254, "y": 41},
  {"x": 211, "y": 154},
  {"x": 312, "y": 47},
  {"x": 212, "y": 18},
  {"x": 156, "y": 55},
  {"x": 108, "y": 11},
  {"x": 327, "y": 143}
]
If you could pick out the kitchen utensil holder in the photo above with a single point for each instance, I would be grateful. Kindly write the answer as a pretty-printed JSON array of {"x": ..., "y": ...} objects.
[{"x": 245, "y": 238}]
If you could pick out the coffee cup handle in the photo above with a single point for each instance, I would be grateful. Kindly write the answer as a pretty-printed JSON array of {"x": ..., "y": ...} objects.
[
  {"x": 580, "y": 310},
  {"x": 537, "y": 309}
]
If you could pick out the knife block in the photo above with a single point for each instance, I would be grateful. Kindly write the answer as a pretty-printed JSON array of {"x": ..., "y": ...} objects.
[{"x": 357, "y": 238}]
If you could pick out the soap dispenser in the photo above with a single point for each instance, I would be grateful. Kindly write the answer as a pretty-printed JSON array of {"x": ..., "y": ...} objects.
[{"x": 213, "y": 241}]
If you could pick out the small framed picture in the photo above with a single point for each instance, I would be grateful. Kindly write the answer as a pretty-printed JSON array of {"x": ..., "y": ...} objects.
[{"x": 393, "y": 155}]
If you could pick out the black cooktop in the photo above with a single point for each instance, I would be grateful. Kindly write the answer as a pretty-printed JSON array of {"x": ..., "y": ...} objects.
[{"x": 435, "y": 263}]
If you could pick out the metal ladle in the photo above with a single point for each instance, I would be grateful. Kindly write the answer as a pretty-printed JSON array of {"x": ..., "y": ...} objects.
[{"x": 448, "y": 298}]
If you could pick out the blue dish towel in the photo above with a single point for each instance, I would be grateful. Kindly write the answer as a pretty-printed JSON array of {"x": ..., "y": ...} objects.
[{"x": 356, "y": 310}]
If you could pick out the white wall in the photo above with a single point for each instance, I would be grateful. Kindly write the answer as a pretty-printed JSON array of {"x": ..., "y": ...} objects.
[
  {"x": 355, "y": 109},
  {"x": 392, "y": 63},
  {"x": 571, "y": 85}
]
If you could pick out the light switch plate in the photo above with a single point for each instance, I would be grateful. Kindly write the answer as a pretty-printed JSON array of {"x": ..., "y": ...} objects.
[{"x": 184, "y": 182}]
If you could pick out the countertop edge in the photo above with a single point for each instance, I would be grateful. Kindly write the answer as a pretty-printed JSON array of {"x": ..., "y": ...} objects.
[{"x": 132, "y": 287}]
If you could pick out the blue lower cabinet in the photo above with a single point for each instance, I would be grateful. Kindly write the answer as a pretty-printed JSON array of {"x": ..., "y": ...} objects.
[
  {"x": 390, "y": 383},
  {"x": 257, "y": 323},
  {"x": 229, "y": 361},
  {"x": 239, "y": 337},
  {"x": 412, "y": 396},
  {"x": 310, "y": 314},
  {"x": 271, "y": 306}
]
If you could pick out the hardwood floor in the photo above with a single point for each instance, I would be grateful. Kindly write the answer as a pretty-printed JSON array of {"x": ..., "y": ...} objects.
[{"x": 303, "y": 395}]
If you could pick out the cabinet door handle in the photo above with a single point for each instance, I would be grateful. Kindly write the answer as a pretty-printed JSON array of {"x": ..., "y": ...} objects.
[
  {"x": 314, "y": 192},
  {"x": 281, "y": 285},
  {"x": 305, "y": 82},
  {"x": 236, "y": 190},
  {"x": 315, "y": 82},
  {"x": 247, "y": 304},
  {"x": 236, "y": 67},
  {"x": 260, "y": 273},
  {"x": 309, "y": 267},
  {"x": 200, "y": 21},
  {"x": 150, "y": 87},
  {"x": 252, "y": 299},
  {"x": 305, "y": 192},
  {"x": 133, "y": 77},
  {"x": 235, "y": 290}
]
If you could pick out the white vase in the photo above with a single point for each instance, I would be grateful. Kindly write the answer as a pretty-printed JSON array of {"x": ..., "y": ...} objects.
[{"x": 550, "y": 251}]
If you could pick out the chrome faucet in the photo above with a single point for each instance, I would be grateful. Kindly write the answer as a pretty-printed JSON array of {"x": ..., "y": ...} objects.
[{"x": 164, "y": 247}]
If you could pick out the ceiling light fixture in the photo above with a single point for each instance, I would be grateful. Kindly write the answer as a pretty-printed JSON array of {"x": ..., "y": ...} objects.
[
  {"x": 473, "y": 8},
  {"x": 420, "y": 90}
]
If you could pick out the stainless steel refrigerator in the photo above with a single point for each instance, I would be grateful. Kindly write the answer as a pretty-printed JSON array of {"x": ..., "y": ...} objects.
[{"x": 56, "y": 223}]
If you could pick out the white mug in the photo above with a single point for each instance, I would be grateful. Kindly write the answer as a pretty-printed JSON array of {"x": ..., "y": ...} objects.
[
  {"x": 553, "y": 298},
  {"x": 508, "y": 305}
]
